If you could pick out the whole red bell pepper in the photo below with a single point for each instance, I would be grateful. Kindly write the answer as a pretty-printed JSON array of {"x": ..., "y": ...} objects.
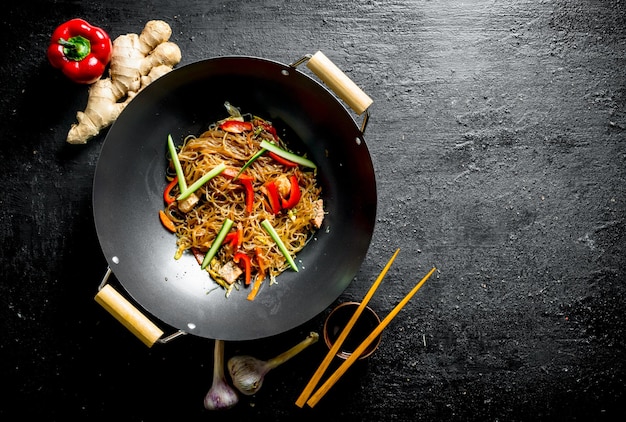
[{"x": 81, "y": 50}]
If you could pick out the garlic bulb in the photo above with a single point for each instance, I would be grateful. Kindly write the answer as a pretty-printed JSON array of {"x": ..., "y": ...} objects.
[
  {"x": 221, "y": 396},
  {"x": 248, "y": 373}
]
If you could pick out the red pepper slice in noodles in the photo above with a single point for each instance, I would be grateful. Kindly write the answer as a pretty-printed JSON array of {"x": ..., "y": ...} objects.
[
  {"x": 247, "y": 183},
  {"x": 167, "y": 197},
  {"x": 231, "y": 173},
  {"x": 281, "y": 160},
  {"x": 273, "y": 196},
  {"x": 236, "y": 126},
  {"x": 270, "y": 129},
  {"x": 247, "y": 265},
  {"x": 294, "y": 194}
]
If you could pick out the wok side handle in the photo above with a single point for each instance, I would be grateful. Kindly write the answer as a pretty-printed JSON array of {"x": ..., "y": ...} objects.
[
  {"x": 131, "y": 317},
  {"x": 339, "y": 82}
]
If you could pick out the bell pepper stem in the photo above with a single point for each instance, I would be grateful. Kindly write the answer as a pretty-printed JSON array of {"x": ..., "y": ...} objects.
[{"x": 76, "y": 48}]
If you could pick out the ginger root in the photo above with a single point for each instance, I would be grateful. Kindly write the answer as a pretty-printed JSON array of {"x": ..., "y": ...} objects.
[{"x": 136, "y": 61}]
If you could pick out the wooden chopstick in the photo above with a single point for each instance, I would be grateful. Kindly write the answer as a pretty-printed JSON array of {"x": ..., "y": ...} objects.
[
  {"x": 315, "y": 398},
  {"x": 344, "y": 333}
]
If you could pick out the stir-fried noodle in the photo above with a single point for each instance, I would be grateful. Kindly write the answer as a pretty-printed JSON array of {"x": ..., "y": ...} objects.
[{"x": 228, "y": 196}]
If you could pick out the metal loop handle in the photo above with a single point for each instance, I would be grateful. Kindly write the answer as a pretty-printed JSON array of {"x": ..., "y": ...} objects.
[{"x": 339, "y": 83}]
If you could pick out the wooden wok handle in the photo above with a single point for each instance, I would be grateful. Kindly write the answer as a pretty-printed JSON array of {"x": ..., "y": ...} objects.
[
  {"x": 339, "y": 82},
  {"x": 128, "y": 315}
]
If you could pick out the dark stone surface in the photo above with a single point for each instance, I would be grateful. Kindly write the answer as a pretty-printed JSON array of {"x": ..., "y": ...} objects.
[{"x": 498, "y": 134}]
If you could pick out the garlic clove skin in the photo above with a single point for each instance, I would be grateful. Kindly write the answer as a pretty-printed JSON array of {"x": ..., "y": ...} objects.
[
  {"x": 247, "y": 373},
  {"x": 220, "y": 397}
]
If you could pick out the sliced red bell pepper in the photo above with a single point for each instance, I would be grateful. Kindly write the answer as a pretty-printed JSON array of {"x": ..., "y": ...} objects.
[
  {"x": 232, "y": 238},
  {"x": 273, "y": 196},
  {"x": 246, "y": 181},
  {"x": 167, "y": 197},
  {"x": 232, "y": 173},
  {"x": 281, "y": 160},
  {"x": 294, "y": 194},
  {"x": 247, "y": 265},
  {"x": 235, "y": 126},
  {"x": 269, "y": 128}
]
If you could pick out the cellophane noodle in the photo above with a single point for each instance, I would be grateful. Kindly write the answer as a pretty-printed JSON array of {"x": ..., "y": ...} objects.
[{"x": 222, "y": 197}]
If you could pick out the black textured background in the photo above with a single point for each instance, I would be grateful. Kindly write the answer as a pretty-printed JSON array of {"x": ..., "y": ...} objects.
[{"x": 498, "y": 137}]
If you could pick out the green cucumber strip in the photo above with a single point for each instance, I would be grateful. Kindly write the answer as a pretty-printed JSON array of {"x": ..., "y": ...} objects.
[
  {"x": 228, "y": 223},
  {"x": 201, "y": 181},
  {"x": 270, "y": 230},
  {"x": 182, "y": 184},
  {"x": 250, "y": 161},
  {"x": 288, "y": 155}
]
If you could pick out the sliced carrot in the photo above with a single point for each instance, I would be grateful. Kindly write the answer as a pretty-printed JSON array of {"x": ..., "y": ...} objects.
[
  {"x": 165, "y": 220},
  {"x": 261, "y": 261},
  {"x": 260, "y": 275},
  {"x": 255, "y": 288}
]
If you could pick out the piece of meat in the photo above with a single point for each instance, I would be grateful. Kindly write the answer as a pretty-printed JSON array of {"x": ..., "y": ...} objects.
[
  {"x": 318, "y": 213},
  {"x": 188, "y": 203},
  {"x": 284, "y": 185},
  {"x": 230, "y": 272}
]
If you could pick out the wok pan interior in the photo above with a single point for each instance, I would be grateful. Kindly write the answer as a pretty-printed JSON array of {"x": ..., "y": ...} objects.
[{"x": 130, "y": 178}]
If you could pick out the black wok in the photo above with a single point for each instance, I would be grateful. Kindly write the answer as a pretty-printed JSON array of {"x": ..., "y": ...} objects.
[{"x": 130, "y": 178}]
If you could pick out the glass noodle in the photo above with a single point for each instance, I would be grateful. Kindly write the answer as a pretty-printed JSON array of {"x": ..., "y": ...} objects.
[{"x": 224, "y": 197}]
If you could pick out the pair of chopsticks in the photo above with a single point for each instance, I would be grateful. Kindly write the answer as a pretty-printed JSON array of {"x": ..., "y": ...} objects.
[{"x": 307, "y": 395}]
